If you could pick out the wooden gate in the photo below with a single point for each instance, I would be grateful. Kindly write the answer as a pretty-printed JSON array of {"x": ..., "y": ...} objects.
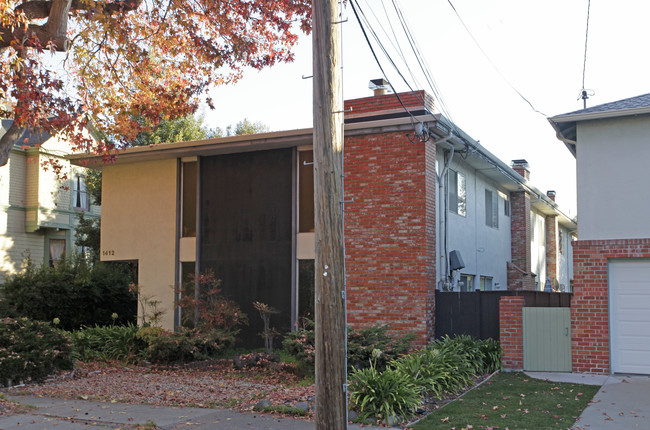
[{"x": 547, "y": 339}]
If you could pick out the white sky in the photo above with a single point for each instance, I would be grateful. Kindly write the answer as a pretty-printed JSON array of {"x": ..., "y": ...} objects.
[{"x": 538, "y": 46}]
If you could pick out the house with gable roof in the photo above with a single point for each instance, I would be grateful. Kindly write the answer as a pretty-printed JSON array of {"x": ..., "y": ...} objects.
[
  {"x": 37, "y": 204},
  {"x": 610, "y": 318}
]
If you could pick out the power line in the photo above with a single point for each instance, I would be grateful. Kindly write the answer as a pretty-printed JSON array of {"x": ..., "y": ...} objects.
[
  {"x": 491, "y": 62},
  {"x": 365, "y": 35},
  {"x": 584, "y": 95}
]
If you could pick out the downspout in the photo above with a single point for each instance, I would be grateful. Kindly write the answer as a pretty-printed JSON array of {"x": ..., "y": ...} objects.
[{"x": 443, "y": 198}]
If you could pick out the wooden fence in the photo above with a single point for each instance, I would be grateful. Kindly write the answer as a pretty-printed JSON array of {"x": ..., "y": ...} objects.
[{"x": 477, "y": 313}]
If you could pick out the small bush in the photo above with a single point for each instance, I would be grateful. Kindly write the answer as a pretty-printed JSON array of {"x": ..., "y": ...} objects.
[
  {"x": 300, "y": 344},
  {"x": 187, "y": 345},
  {"x": 211, "y": 306},
  {"x": 383, "y": 395},
  {"x": 492, "y": 354},
  {"x": 108, "y": 342},
  {"x": 31, "y": 349},
  {"x": 361, "y": 344}
]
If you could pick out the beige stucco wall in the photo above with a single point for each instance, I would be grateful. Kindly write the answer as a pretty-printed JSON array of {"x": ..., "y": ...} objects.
[
  {"x": 139, "y": 223},
  {"x": 613, "y": 176}
]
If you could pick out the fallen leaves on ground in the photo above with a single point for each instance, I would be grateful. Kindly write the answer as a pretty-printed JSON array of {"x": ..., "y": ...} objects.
[{"x": 215, "y": 385}]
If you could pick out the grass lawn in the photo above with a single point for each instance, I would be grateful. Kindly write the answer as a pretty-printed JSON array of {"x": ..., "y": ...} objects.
[{"x": 513, "y": 401}]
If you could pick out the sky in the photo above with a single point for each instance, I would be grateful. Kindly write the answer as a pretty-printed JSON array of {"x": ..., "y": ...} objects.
[{"x": 534, "y": 48}]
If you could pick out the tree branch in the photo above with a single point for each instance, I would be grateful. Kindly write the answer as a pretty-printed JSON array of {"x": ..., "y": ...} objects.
[
  {"x": 7, "y": 142},
  {"x": 39, "y": 9}
]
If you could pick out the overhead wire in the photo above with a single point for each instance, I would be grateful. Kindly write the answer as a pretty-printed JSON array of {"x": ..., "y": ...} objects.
[
  {"x": 424, "y": 67},
  {"x": 491, "y": 62},
  {"x": 584, "y": 62},
  {"x": 372, "y": 50},
  {"x": 584, "y": 94}
]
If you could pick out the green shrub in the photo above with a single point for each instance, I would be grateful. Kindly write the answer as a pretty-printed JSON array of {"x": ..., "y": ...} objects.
[
  {"x": 300, "y": 344},
  {"x": 383, "y": 395},
  {"x": 187, "y": 345},
  {"x": 449, "y": 364},
  {"x": 108, "y": 342},
  {"x": 492, "y": 354},
  {"x": 72, "y": 291},
  {"x": 31, "y": 349},
  {"x": 148, "y": 334},
  {"x": 361, "y": 344}
]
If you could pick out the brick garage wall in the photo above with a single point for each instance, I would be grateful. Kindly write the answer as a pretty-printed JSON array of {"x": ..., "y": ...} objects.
[
  {"x": 511, "y": 332},
  {"x": 390, "y": 232},
  {"x": 590, "y": 302}
]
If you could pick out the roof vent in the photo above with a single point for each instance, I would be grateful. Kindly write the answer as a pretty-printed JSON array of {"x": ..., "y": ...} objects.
[{"x": 379, "y": 86}]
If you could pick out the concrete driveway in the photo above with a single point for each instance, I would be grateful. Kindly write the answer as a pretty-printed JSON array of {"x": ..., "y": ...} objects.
[{"x": 623, "y": 402}]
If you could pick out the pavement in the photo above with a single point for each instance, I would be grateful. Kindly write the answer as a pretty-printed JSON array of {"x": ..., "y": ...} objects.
[
  {"x": 623, "y": 402},
  {"x": 59, "y": 414}
]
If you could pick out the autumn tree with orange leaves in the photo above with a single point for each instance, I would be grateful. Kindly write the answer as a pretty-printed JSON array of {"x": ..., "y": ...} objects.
[{"x": 130, "y": 63}]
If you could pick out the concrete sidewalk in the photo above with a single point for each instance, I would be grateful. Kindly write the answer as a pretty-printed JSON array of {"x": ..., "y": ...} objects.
[
  {"x": 50, "y": 414},
  {"x": 623, "y": 402}
]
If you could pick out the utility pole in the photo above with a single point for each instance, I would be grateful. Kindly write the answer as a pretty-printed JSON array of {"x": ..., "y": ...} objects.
[{"x": 330, "y": 330}]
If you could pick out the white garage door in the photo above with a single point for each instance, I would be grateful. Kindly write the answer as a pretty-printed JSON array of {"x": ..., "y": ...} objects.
[{"x": 629, "y": 286}]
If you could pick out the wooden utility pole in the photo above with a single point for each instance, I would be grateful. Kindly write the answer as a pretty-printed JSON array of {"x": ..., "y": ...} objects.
[{"x": 331, "y": 398}]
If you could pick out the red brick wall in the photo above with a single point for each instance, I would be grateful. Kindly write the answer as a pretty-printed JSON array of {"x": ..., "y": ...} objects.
[
  {"x": 590, "y": 302},
  {"x": 511, "y": 332},
  {"x": 551, "y": 248},
  {"x": 390, "y": 232},
  {"x": 417, "y": 99},
  {"x": 520, "y": 277}
]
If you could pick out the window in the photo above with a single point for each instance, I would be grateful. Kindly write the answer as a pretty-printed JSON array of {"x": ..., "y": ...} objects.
[
  {"x": 56, "y": 250},
  {"x": 306, "y": 288},
  {"x": 486, "y": 283},
  {"x": 506, "y": 204},
  {"x": 491, "y": 209},
  {"x": 561, "y": 242},
  {"x": 457, "y": 193},
  {"x": 466, "y": 283},
  {"x": 189, "y": 201},
  {"x": 80, "y": 193},
  {"x": 306, "y": 191}
]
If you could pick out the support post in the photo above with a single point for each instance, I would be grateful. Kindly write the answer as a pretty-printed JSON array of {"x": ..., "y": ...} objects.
[{"x": 330, "y": 329}]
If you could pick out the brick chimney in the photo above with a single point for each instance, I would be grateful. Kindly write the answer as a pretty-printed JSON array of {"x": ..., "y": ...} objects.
[
  {"x": 550, "y": 194},
  {"x": 384, "y": 105},
  {"x": 521, "y": 167}
]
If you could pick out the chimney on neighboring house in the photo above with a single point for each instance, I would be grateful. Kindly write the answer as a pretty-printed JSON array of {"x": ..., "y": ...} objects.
[
  {"x": 379, "y": 86},
  {"x": 521, "y": 167},
  {"x": 550, "y": 194}
]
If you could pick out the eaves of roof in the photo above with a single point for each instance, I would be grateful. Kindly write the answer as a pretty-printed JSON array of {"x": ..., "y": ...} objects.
[
  {"x": 565, "y": 125},
  {"x": 478, "y": 157}
]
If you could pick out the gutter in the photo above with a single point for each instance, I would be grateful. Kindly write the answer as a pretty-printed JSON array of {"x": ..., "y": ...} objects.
[{"x": 503, "y": 168}]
